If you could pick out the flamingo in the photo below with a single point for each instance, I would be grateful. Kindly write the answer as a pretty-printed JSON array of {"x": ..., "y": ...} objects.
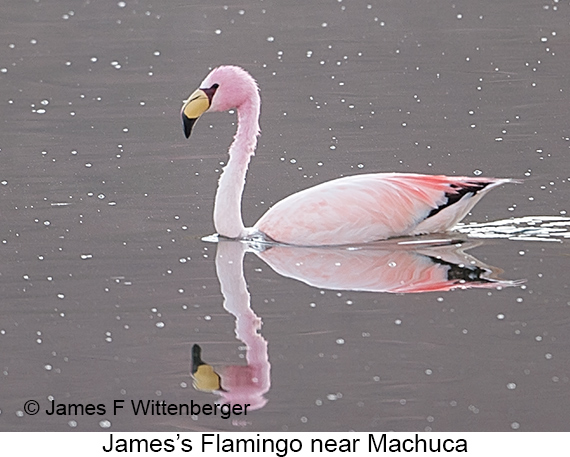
[{"x": 349, "y": 210}]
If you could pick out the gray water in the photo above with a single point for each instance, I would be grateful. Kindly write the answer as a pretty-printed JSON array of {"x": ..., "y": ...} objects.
[{"x": 106, "y": 283}]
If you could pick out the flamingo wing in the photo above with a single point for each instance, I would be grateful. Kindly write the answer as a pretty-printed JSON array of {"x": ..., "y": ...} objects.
[{"x": 371, "y": 207}]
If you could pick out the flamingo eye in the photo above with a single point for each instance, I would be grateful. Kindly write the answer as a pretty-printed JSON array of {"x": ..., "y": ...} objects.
[{"x": 211, "y": 91}]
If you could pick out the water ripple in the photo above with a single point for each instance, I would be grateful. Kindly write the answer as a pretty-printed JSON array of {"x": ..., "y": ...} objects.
[{"x": 528, "y": 228}]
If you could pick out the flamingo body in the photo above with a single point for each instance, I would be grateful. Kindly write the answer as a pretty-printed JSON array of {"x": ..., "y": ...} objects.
[
  {"x": 371, "y": 207},
  {"x": 349, "y": 210}
]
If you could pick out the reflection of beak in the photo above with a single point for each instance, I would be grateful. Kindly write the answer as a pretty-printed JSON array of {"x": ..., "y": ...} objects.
[
  {"x": 193, "y": 108},
  {"x": 205, "y": 378}
]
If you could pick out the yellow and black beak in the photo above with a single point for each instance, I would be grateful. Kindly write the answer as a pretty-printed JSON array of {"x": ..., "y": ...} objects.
[
  {"x": 205, "y": 378},
  {"x": 196, "y": 105}
]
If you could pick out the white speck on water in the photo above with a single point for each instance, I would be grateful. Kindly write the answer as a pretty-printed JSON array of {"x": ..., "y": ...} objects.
[
  {"x": 500, "y": 316},
  {"x": 61, "y": 296},
  {"x": 160, "y": 324},
  {"x": 271, "y": 39},
  {"x": 511, "y": 386},
  {"x": 72, "y": 423},
  {"x": 122, "y": 4},
  {"x": 477, "y": 172},
  {"x": 48, "y": 367},
  {"x": 86, "y": 256},
  {"x": 105, "y": 424},
  {"x": 515, "y": 425},
  {"x": 428, "y": 372},
  {"x": 340, "y": 341}
]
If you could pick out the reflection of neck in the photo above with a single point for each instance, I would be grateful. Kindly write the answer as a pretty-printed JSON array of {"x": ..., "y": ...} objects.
[
  {"x": 229, "y": 266},
  {"x": 227, "y": 207}
]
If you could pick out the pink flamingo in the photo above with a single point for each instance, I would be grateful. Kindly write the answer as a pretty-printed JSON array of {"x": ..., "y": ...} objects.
[{"x": 349, "y": 210}]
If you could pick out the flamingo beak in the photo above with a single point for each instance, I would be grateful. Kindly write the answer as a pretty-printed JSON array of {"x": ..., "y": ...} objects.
[
  {"x": 196, "y": 105},
  {"x": 193, "y": 108}
]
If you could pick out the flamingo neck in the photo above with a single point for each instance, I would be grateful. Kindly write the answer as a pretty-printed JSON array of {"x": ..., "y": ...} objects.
[{"x": 227, "y": 206}]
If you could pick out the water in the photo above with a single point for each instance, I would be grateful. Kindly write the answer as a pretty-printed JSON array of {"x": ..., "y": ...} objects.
[{"x": 106, "y": 284}]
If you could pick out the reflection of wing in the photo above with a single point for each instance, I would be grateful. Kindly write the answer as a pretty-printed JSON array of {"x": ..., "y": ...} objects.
[{"x": 383, "y": 268}]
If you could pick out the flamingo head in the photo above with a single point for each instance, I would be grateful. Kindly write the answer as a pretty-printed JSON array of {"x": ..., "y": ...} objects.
[{"x": 226, "y": 87}]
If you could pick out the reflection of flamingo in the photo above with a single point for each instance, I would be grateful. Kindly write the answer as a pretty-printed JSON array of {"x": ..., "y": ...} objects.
[
  {"x": 405, "y": 267},
  {"x": 354, "y": 209}
]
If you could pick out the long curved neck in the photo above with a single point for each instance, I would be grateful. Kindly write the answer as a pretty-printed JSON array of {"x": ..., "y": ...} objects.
[{"x": 227, "y": 206}]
